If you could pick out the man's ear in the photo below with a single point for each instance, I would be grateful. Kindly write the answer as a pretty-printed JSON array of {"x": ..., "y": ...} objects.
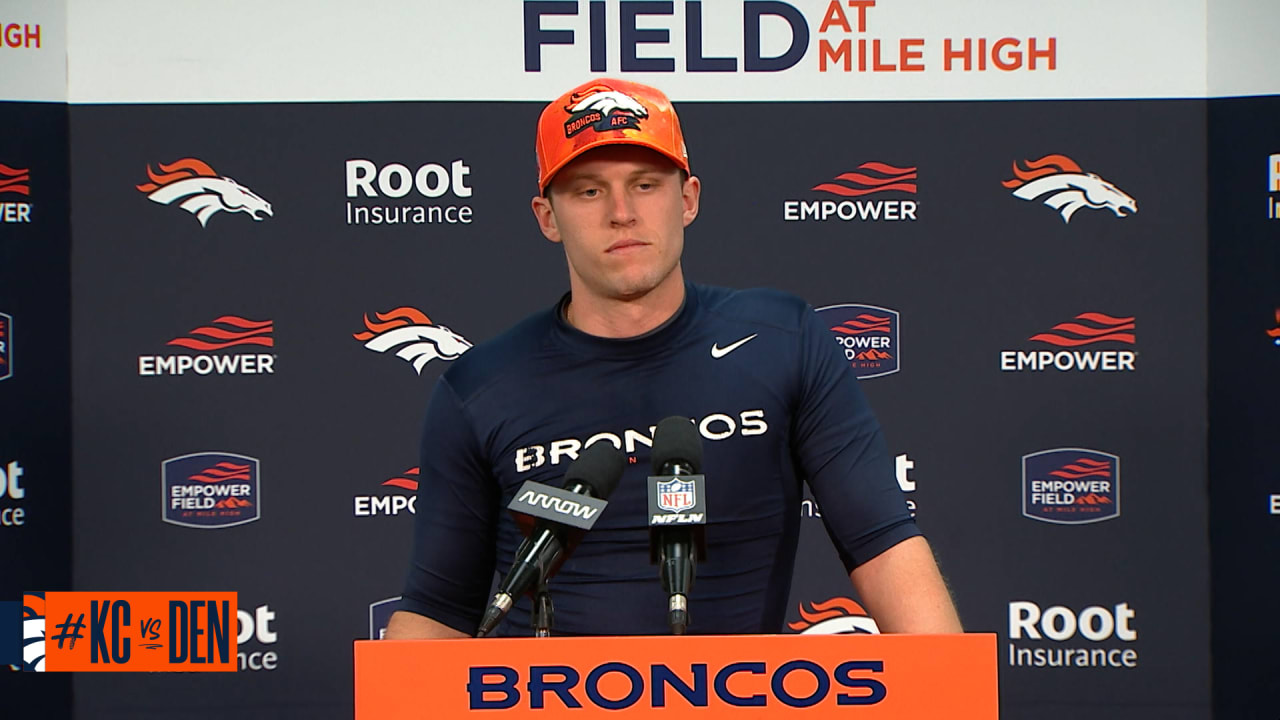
[
  {"x": 691, "y": 194},
  {"x": 546, "y": 217}
]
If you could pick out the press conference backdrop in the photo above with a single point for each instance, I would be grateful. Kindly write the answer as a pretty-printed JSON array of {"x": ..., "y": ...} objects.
[{"x": 254, "y": 235}]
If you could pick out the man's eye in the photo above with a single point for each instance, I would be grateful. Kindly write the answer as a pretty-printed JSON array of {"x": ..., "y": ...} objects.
[{"x": 589, "y": 192}]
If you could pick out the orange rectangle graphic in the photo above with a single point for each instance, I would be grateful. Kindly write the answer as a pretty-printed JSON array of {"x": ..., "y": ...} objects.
[
  {"x": 902, "y": 677},
  {"x": 140, "y": 631}
]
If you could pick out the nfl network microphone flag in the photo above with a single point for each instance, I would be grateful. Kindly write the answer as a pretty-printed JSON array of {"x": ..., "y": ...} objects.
[{"x": 677, "y": 501}]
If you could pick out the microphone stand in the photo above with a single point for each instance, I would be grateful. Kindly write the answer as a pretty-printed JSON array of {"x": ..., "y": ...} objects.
[{"x": 543, "y": 611}]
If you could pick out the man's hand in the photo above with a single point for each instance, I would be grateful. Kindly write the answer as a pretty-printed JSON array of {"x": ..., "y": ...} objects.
[
  {"x": 405, "y": 625},
  {"x": 902, "y": 589}
]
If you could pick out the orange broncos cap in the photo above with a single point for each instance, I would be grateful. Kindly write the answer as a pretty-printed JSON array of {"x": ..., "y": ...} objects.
[{"x": 605, "y": 111}]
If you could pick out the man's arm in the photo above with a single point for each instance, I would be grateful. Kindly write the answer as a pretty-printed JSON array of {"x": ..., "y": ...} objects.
[
  {"x": 407, "y": 625},
  {"x": 903, "y": 590}
]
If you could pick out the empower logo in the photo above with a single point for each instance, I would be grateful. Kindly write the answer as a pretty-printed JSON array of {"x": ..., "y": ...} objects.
[
  {"x": 1073, "y": 341},
  {"x": 869, "y": 178},
  {"x": 1071, "y": 486},
  {"x": 15, "y": 181},
  {"x": 419, "y": 341},
  {"x": 224, "y": 333},
  {"x": 868, "y": 335},
  {"x": 211, "y": 490},
  {"x": 199, "y": 190},
  {"x": 391, "y": 503},
  {"x": 1065, "y": 187}
]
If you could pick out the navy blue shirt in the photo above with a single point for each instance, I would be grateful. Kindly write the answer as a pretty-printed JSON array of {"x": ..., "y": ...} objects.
[{"x": 775, "y": 402}]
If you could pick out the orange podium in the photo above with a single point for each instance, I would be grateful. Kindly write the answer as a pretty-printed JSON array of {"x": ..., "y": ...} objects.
[{"x": 690, "y": 676}]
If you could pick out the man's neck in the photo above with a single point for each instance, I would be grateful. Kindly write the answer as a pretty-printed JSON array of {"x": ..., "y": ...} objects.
[{"x": 614, "y": 318}]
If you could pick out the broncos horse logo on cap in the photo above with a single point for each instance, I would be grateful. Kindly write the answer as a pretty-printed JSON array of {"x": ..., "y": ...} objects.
[
  {"x": 602, "y": 108},
  {"x": 420, "y": 340},
  {"x": 1068, "y": 188},
  {"x": 202, "y": 192}
]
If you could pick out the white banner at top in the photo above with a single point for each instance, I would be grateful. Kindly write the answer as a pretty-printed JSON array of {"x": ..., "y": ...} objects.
[
  {"x": 130, "y": 51},
  {"x": 33, "y": 50}
]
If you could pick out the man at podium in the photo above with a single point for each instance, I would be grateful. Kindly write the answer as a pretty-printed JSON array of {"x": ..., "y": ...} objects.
[{"x": 632, "y": 342}]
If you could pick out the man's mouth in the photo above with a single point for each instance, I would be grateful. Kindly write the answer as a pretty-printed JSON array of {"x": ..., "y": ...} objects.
[{"x": 624, "y": 245}]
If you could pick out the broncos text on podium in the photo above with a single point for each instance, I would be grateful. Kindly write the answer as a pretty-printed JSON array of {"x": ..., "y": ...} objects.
[{"x": 367, "y": 183}]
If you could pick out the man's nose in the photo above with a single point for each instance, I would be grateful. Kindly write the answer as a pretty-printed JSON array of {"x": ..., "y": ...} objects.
[{"x": 622, "y": 208}]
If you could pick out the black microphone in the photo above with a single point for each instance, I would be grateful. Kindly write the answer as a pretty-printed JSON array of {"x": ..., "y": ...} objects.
[
  {"x": 677, "y": 514},
  {"x": 556, "y": 516}
]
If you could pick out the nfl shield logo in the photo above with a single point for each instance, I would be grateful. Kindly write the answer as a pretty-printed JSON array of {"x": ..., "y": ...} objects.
[{"x": 676, "y": 495}]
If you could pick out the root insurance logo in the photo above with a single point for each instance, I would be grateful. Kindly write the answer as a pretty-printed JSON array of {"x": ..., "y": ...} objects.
[
  {"x": 1059, "y": 637},
  {"x": 395, "y": 194},
  {"x": 12, "y": 493}
]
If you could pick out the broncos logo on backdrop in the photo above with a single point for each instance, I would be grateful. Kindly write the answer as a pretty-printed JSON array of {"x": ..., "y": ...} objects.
[
  {"x": 202, "y": 192},
  {"x": 1066, "y": 188},
  {"x": 837, "y": 616},
  {"x": 602, "y": 108},
  {"x": 33, "y": 632},
  {"x": 419, "y": 340}
]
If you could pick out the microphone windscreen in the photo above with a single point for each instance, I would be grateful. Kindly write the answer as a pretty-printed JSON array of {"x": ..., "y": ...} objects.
[
  {"x": 599, "y": 467},
  {"x": 676, "y": 440}
]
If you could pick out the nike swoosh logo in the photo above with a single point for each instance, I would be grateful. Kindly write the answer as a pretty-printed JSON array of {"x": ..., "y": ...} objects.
[{"x": 719, "y": 352}]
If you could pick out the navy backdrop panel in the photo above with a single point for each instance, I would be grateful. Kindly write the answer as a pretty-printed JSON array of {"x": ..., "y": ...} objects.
[
  {"x": 35, "y": 364},
  {"x": 1244, "y": 362},
  {"x": 975, "y": 272}
]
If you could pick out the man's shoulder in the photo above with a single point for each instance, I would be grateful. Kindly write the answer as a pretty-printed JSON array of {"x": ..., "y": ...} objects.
[
  {"x": 765, "y": 306},
  {"x": 497, "y": 357}
]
